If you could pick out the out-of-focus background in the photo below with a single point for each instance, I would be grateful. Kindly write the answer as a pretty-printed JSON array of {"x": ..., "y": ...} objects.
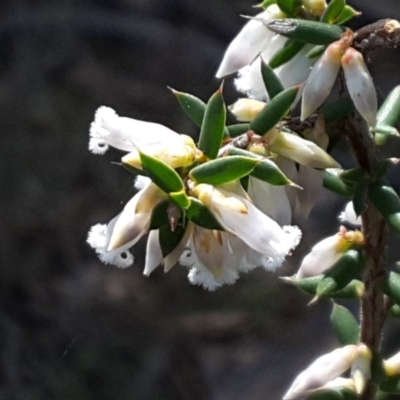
[{"x": 72, "y": 328}]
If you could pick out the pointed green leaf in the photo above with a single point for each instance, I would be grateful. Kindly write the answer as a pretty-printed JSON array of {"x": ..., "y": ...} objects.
[
  {"x": 334, "y": 183},
  {"x": 159, "y": 216},
  {"x": 271, "y": 81},
  {"x": 342, "y": 273},
  {"x": 347, "y": 14},
  {"x": 266, "y": 3},
  {"x": 212, "y": 128},
  {"x": 307, "y": 285},
  {"x": 192, "y": 105},
  {"x": 344, "y": 325},
  {"x": 200, "y": 215},
  {"x": 333, "y": 11},
  {"x": 169, "y": 240},
  {"x": 336, "y": 110},
  {"x": 313, "y": 32},
  {"x": 286, "y": 53},
  {"x": 391, "y": 287},
  {"x": 266, "y": 170},
  {"x": 275, "y": 110},
  {"x": 380, "y": 169},
  {"x": 391, "y": 385},
  {"x": 360, "y": 195},
  {"x": 129, "y": 168},
  {"x": 386, "y": 200},
  {"x": 162, "y": 174},
  {"x": 237, "y": 129},
  {"x": 389, "y": 112},
  {"x": 354, "y": 290},
  {"x": 289, "y": 7},
  {"x": 352, "y": 176},
  {"x": 316, "y": 51},
  {"x": 223, "y": 170}
]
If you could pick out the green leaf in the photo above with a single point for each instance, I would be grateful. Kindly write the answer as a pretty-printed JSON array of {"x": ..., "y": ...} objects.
[
  {"x": 380, "y": 169},
  {"x": 333, "y": 11},
  {"x": 392, "y": 385},
  {"x": 395, "y": 311},
  {"x": 180, "y": 198},
  {"x": 307, "y": 285},
  {"x": 201, "y": 215},
  {"x": 346, "y": 15},
  {"x": 192, "y": 105},
  {"x": 313, "y": 32},
  {"x": 237, "y": 129},
  {"x": 275, "y": 110},
  {"x": 266, "y": 3},
  {"x": 391, "y": 287},
  {"x": 271, "y": 81},
  {"x": 212, "y": 128},
  {"x": 334, "y": 183},
  {"x": 286, "y": 53},
  {"x": 316, "y": 51},
  {"x": 130, "y": 168},
  {"x": 383, "y": 133},
  {"x": 353, "y": 175},
  {"x": 289, "y": 7},
  {"x": 360, "y": 195},
  {"x": 336, "y": 110},
  {"x": 169, "y": 240},
  {"x": 342, "y": 273},
  {"x": 159, "y": 216},
  {"x": 333, "y": 394},
  {"x": 162, "y": 174},
  {"x": 386, "y": 200},
  {"x": 344, "y": 325},
  {"x": 389, "y": 112},
  {"x": 223, "y": 170},
  {"x": 266, "y": 170}
]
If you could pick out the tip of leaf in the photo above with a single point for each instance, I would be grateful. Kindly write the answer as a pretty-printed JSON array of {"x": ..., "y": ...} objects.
[
  {"x": 292, "y": 184},
  {"x": 221, "y": 87},
  {"x": 313, "y": 300},
  {"x": 288, "y": 279},
  {"x": 175, "y": 92}
]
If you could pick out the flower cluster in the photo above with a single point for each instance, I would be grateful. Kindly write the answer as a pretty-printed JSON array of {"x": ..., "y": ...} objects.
[{"x": 215, "y": 230}]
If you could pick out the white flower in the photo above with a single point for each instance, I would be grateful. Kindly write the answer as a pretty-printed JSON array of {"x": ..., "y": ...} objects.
[
  {"x": 248, "y": 43},
  {"x": 349, "y": 215},
  {"x": 246, "y": 109},
  {"x": 392, "y": 365},
  {"x": 271, "y": 200},
  {"x": 109, "y": 129},
  {"x": 326, "y": 252},
  {"x": 360, "y": 85},
  {"x": 237, "y": 215},
  {"x": 112, "y": 241},
  {"x": 323, "y": 370}
]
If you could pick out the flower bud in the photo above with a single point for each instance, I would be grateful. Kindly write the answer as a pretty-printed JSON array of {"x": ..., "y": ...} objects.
[
  {"x": 246, "y": 109},
  {"x": 326, "y": 252},
  {"x": 176, "y": 153},
  {"x": 315, "y": 7},
  {"x": 392, "y": 365},
  {"x": 360, "y": 85},
  {"x": 361, "y": 368}
]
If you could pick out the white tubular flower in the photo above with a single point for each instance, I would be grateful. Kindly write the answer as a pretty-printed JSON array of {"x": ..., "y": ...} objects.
[
  {"x": 361, "y": 368},
  {"x": 127, "y": 134},
  {"x": 321, "y": 80},
  {"x": 349, "y": 215},
  {"x": 154, "y": 256},
  {"x": 323, "y": 370},
  {"x": 292, "y": 73},
  {"x": 216, "y": 258},
  {"x": 300, "y": 150},
  {"x": 178, "y": 152},
  {"x": 271, "y": 200},
  {"x": 326, "y": 252},
  {"x": 239, "y": 216},
  {"x": 360, "y": 85},
  {"x": 246, "y": 109},
  {"x": 111, "y": 242},
  {"x": 249, "y": 42},
  {"x": 392, "y": 365}
]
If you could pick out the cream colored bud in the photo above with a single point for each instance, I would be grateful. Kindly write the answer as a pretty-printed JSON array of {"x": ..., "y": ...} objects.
[
  {"x": 315, "y": 7},
  {"x": 246, "y": 109}
]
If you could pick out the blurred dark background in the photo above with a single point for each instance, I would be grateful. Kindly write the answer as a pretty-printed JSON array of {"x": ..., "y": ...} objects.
[{"x": 72, "y": 328}]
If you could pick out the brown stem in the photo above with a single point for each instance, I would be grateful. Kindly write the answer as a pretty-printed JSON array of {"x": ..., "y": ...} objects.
[{"x": 373, "y": 308}]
